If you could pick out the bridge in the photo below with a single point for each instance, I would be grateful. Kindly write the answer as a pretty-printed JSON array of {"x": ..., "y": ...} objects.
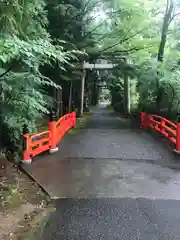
[{"x": 114, "y": 178}]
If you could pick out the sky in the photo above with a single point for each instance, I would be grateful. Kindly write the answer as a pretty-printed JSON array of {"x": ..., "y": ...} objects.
[{"x": 99, "y": 14}]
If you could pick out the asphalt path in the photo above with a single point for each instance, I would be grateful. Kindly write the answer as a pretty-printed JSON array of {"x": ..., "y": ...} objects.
[{"x": 111, "y": 180}]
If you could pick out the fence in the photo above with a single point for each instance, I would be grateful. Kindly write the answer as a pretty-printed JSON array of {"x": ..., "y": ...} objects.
[
  {"x": 163, "y": 126},
  {"x": 47, "y": 140}
]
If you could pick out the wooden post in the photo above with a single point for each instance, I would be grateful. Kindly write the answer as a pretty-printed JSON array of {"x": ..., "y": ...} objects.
[
  {"x": 26, "y": 146},
  {"x": 82, "y": 90},
  {"x": 70, "y": 97},
  {"x": 126, "y": 92},
  {"x": 177, "y": 149},
  {"x": 73, "y": 119},
  {"x": 143, "y": 120},
  {"x": 178, "y": 137},
  {"x": 52, "y": 130}
]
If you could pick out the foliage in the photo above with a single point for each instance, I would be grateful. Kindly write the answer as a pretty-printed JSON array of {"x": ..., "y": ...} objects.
[
  {"x": 41, "y": 41},
  {"x": 26, "y": 47},
  {"x": 146, "y": 34}
]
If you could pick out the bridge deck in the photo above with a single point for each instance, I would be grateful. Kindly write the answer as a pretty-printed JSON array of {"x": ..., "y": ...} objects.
[
  {"x": 112, "y": 181},
  {"x": 108, "y": 158}
]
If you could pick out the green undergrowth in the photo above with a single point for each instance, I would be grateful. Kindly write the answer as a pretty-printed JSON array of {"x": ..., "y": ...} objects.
[
  {"x": 110, "y": 107},
  {"x": 10, "y": 197},
  {"x": 33, "y": 230},
  {"x": 80, "y": 123},
  {"x": 23, "y": 205}
]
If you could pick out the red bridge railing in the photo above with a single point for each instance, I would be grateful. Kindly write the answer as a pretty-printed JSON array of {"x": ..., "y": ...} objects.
[
  {"x": 163, "y": 126},
  {"x": 48, "y": 140}
]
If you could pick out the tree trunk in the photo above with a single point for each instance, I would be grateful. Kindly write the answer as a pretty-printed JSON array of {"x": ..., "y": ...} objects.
[
  {"x": 58, "y": 97},
  {"x": 82, "y": 92},
  {"x": 160, "y": 58},
  {"x": 61, "y": 103},
  {"x": 126, "y": 93},
  {"x": 166, "y": 22},
  {"x": 70, "y": 98}
]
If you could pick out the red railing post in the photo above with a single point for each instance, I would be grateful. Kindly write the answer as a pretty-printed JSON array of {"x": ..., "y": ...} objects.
[
  {"x": 26, "y": 146},
  {"x": 74, "y": 119},
  {"x": 163, "y": 125},
  {"x": 53, "y": 132},
  {"x": 177, "y": 150},
  {"x": 144, "y": 119}
]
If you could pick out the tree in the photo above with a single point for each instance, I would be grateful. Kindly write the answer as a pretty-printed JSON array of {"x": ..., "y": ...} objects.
[
  {"x": 25, "y": 46},
  {"x": 131, "y": 29}
]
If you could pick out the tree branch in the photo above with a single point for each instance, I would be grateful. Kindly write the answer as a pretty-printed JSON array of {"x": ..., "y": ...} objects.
[
  {"x": 167, "y": 6},
  {"x": 67, "y": 11},
  {"x": 7, "y": 71},
  {"x": 174, "y": 16},
  {"x": 86, "y": 4},
  {"x": 126, "y": 38},
  {"x": 80, "y": 14},
  {"x": 94, "y": 29},
  {"x": 128, "y": 51},
  {"x": 109, "y": 14}
]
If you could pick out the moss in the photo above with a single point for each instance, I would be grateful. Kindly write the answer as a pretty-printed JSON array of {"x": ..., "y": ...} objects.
[
  {"x": 11, "y": 198},
  {"x": 80, "y": 123},
  {"x": 33, "y": 230}
]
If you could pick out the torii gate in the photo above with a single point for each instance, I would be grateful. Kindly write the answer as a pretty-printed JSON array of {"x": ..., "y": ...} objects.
[
  {"x": 100, "y": 64},
  {"x": 103, "y": 64}
]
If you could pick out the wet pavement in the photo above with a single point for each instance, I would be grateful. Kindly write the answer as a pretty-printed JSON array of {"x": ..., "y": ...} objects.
[
  {"x": 112, "y": 219},
  {"x": 112, "y": 181},
  {"x": 109, "y": 157}
]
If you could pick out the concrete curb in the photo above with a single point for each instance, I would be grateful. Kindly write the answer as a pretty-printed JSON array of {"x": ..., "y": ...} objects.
[{"x": 33, "y": 179}]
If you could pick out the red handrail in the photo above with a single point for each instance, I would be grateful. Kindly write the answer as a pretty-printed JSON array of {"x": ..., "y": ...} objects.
[
  {"x": 63, "y": 125},
  {"x": 39, "y": 142},
  {"x": 163, "y": 126},
  {"x": 47, "y": 140}
]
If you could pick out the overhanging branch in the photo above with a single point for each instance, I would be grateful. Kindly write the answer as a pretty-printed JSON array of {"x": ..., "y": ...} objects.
[
  {"x": 81, "y": 14},
  {"x": 122, "y": 40},
  {"x": 174, "y": 16},
  {"x": 7, "y": 71}
]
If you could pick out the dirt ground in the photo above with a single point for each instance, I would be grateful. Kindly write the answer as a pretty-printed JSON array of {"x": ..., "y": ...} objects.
[{"x": 23, "y": 205}]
